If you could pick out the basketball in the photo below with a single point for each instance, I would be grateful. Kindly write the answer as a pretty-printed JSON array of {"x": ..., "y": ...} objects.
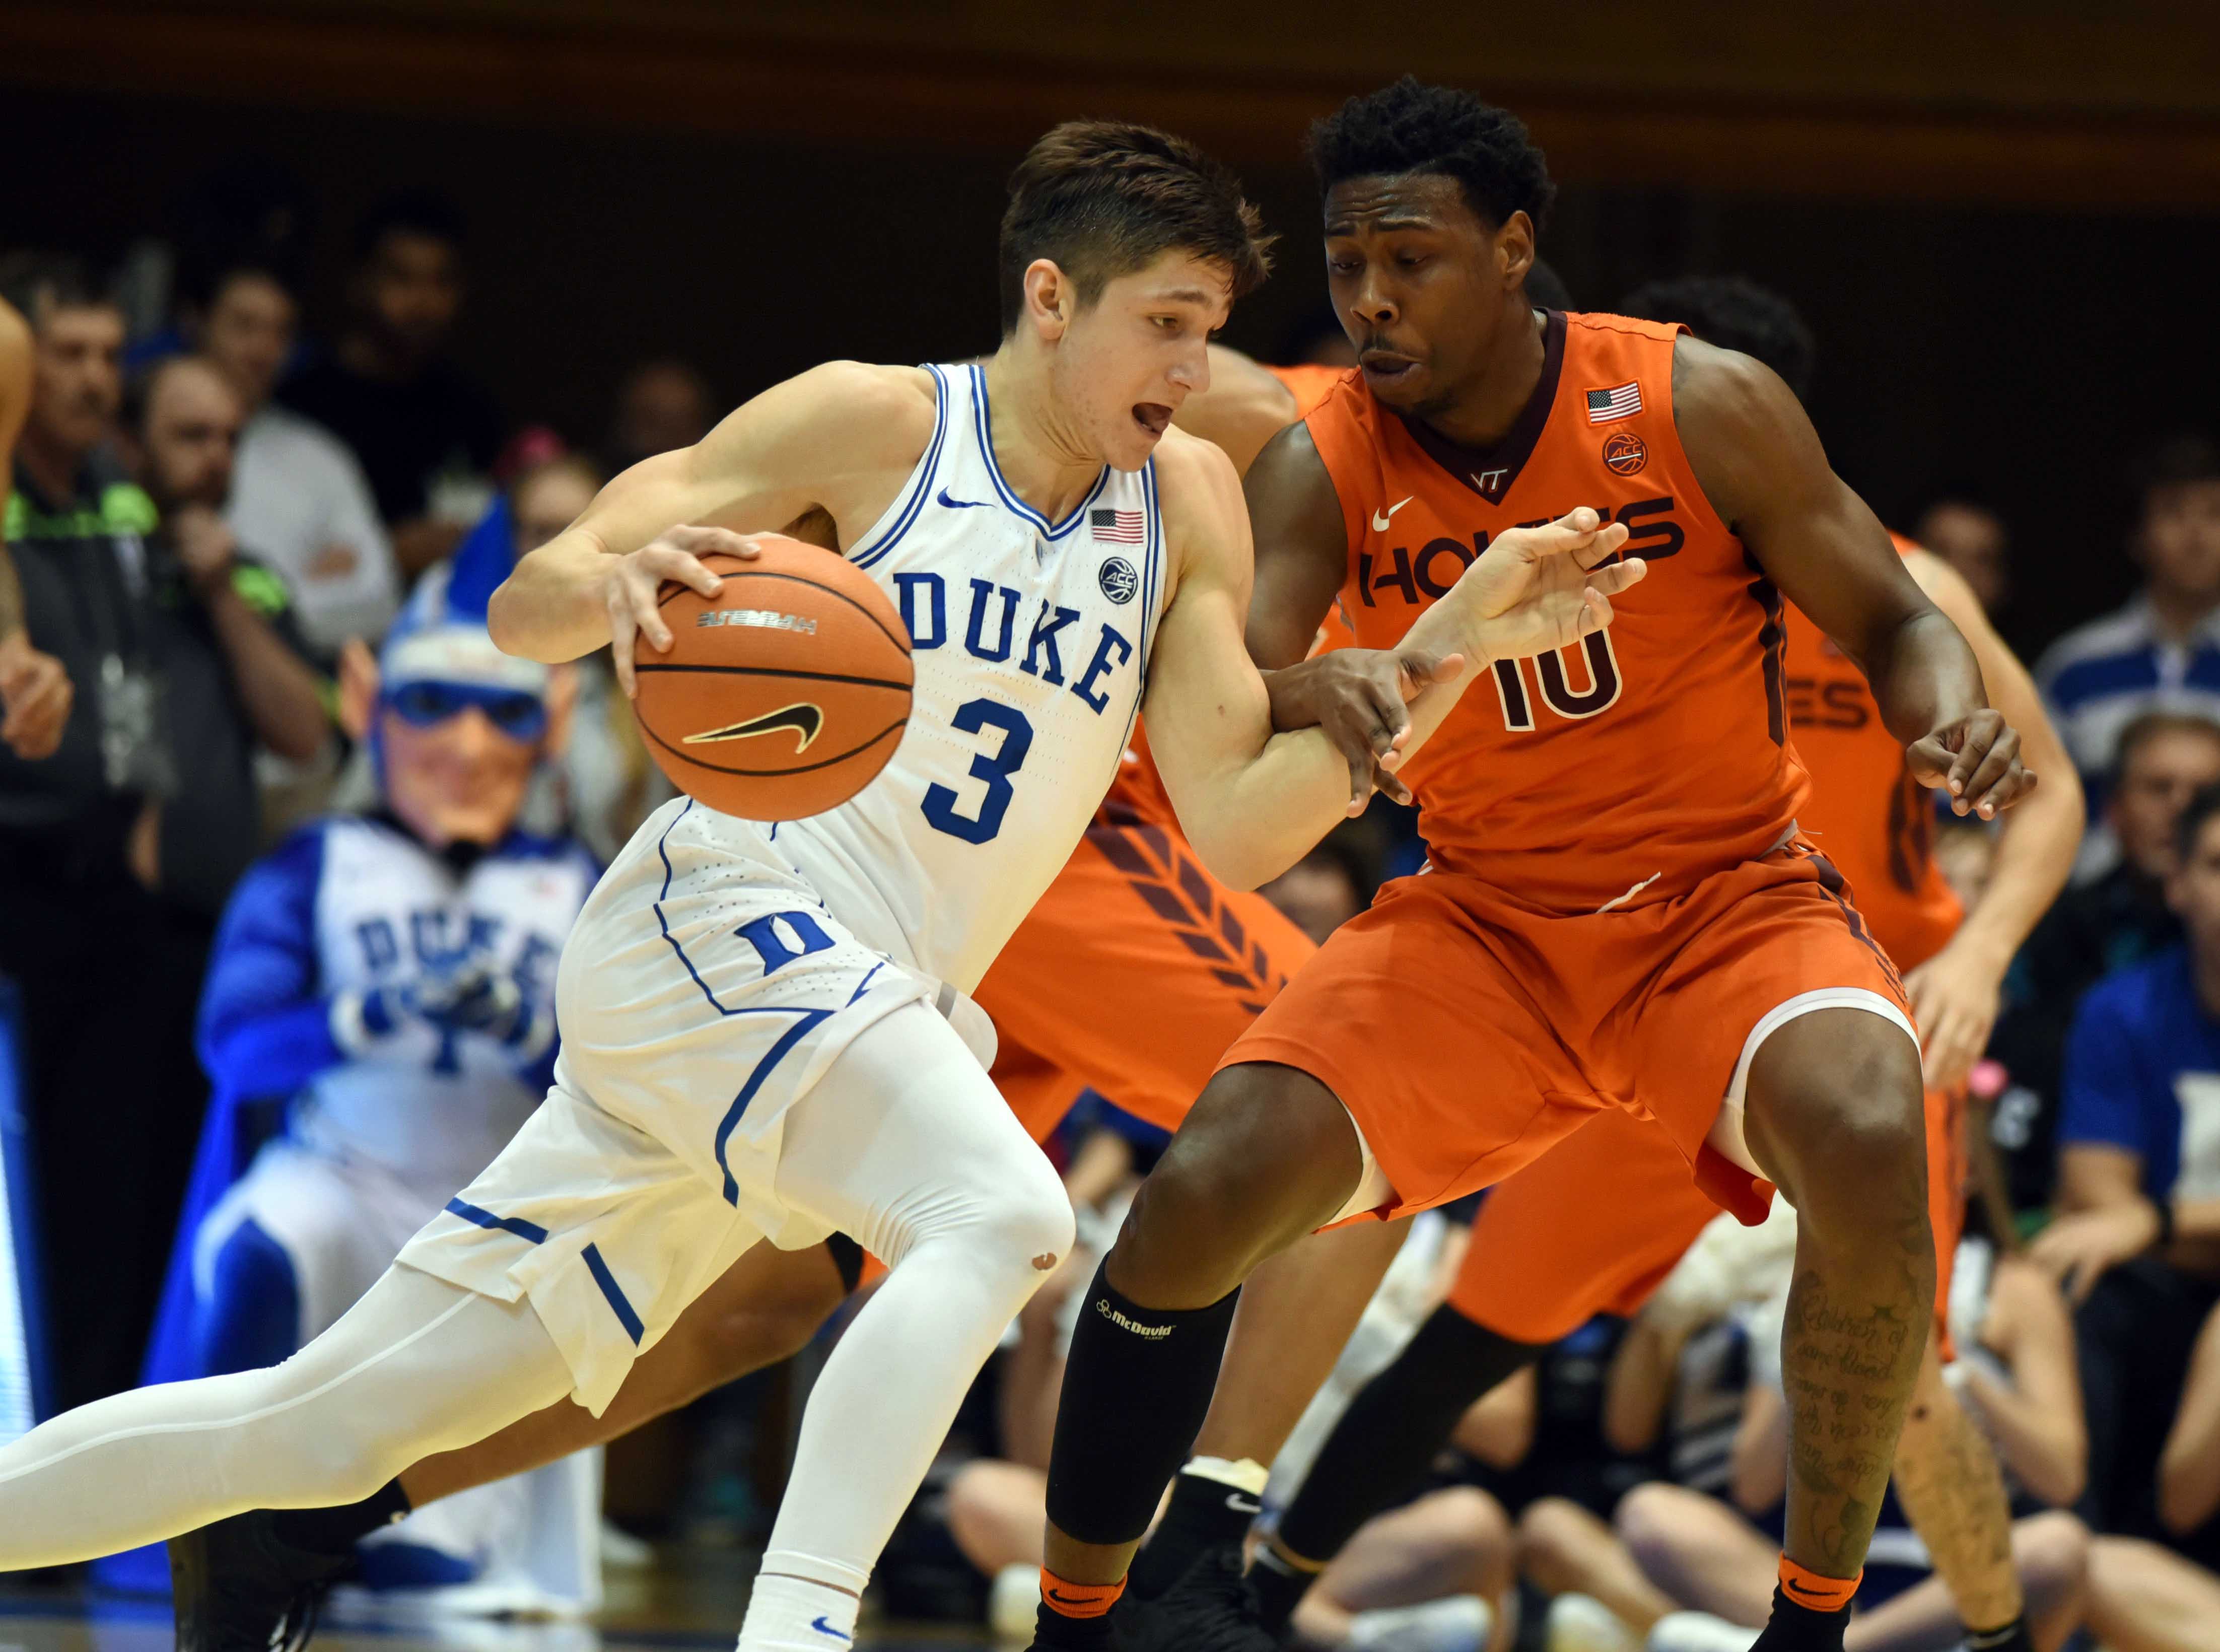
[{"x": 785, "y": 694}]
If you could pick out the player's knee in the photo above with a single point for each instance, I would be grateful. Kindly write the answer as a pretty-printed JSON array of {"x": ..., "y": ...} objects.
[
  {"x": 1550, "y": 1533},
  {"x": 1469, "y": 1520},
  {"x": 1029, "y": 1226},
  {"x": 1856, "y": 1153}
]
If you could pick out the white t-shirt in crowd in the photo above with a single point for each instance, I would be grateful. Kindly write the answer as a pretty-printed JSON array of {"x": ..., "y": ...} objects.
[{"x": 299, "y": 503}]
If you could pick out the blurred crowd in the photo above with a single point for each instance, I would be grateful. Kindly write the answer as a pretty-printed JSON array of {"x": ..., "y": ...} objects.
[{"x": 277, "y": 826}]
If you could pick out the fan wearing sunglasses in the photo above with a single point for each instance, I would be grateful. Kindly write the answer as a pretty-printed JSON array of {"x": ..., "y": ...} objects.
[{"x": 378, "y": 1020}]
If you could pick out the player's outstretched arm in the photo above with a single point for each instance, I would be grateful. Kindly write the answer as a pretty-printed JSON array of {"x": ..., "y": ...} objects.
[
  {"x": 1956, "y": 993},
  {"x": 830, "y": 438},
  {"x": 1253, "y": 802},
  {"x": 1762, "y": 468}
]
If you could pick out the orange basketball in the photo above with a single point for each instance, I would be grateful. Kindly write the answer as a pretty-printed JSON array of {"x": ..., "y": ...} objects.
[{"x": 785, "y": 694}]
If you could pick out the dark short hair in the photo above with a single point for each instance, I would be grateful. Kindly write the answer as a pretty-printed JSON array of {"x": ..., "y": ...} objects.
[
  {"x": 420, "y": 211},
  {"x": 1735, "y": 314},
  {"x": 1103, "y": 198},
  {"x": 37, "y": 284},
  {"x": 2202, "y": 805},
  {"x": 1411, "y": 127},
  {"x": 2175, "y": 462},
  {"x": 2156, "y": 724}
]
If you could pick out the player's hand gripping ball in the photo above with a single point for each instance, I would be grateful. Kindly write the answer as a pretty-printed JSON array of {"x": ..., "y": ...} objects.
[{"x": 782, "y": 695}]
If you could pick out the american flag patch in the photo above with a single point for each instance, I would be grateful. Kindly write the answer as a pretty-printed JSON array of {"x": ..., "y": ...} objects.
[
  {"x": 1620, "y": 402},
  {"x": 1115, "y": 527}
]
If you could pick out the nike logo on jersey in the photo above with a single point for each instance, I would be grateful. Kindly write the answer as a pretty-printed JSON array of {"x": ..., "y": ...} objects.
[
  {"x": 964, "y": 504},
  {"x": 824, "y": 1628},
  {"x": 1380, "y": 517},
  {"x": 804, "y": 719}
]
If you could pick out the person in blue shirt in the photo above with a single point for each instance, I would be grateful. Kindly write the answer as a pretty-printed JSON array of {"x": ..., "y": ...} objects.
[
  {"x": 378, "y": 1020},
  {"x": 2136, "y": 1244}
]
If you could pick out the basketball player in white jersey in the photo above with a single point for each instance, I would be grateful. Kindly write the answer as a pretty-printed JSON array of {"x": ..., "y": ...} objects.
[{"x": 766, "y": 1031}]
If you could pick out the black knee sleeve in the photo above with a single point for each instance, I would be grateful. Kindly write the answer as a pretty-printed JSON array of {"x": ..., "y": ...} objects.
[
  {"x": 1378, "y": 1455},
  {"x": 1136, "y": 1388}
]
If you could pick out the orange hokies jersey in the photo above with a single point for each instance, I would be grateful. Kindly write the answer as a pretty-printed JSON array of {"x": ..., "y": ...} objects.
[
  {"x": 1621, "y": 770},
  {"x": 1866, "y": 814}
]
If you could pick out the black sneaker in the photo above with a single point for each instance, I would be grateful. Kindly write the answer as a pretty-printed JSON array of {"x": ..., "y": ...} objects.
[
  {"x": 238, "y": 1587},
  {"x": 1212, "y": 1608}
]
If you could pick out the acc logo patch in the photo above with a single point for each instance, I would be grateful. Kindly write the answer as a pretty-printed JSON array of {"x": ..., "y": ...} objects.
[
  {"x": 1625, "y": 453},
  {"x": 1119, "y": 580}
]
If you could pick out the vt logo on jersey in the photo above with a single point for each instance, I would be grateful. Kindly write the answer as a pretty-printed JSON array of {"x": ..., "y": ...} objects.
[{"x": 805, "y": 720}]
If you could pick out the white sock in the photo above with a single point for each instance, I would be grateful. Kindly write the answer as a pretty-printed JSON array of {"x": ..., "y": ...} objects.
[{"x": 792, "y": 1614}]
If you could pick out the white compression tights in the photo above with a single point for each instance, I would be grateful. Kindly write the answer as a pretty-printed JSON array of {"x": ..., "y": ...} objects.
[
  {"x": 904, "y": 1145},
  {"x": 403, "y": 1375},
  {"x": 911, "y": 1152}
]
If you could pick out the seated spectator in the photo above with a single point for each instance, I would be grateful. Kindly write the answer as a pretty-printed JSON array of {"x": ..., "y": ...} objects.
[
  {"x": 35, "y": 692},
  {"x": 378, "y": 1021},
  {"x": 1688, "y": 1560},
  {"x": 2123, "y": 917},
  {"x": 181, "y": 655},
  {"x": 424, "y": 431},
  {"x": 1973, "y": 539},
  {"x": 298, "y": 496},
  {"x": 2162, "y": 650},
  {"x": 661, "y": 405},
  {"x": 2137, "y": 1242}
]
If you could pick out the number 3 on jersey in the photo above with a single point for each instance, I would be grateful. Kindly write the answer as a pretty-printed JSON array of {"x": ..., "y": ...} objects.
[{"x": 973, "y": 717}]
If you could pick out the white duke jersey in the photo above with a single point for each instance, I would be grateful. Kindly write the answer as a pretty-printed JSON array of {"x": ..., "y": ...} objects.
[
  {"x": 1031, "y": 642},
  {"x": 356, "y": 905}
]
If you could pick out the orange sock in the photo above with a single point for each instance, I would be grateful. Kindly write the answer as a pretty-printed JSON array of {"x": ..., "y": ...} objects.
[
  {"x": 1807, "y": 1588},
  {"x": 1070, "y": 1599}
]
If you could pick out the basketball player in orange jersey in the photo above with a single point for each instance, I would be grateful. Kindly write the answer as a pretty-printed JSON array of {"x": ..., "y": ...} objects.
[
  {"x": 34, "y": 691},
  {"x": 1134, "y": 934},
  {"x": 1620, "y": 912},
  {"x": 1594, "y": 1225}
]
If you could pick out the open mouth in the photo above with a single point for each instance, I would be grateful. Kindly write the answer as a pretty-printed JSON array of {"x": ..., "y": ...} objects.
[
  {"x": 1386, "y": 367},
  {"x": 1152, "y": 416}
]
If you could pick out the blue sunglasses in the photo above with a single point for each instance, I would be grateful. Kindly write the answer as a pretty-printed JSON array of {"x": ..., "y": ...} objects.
[{"x": 424, "y": 705}]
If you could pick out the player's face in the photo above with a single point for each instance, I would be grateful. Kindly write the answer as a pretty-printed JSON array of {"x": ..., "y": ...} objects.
[
  {"x": 2181, "y": 538},
  {"x": 2166, "y": 771},
  {"x": 453, "y": 772},
  {"x": 1418, "y": 280},
  {"x": 1126, "y": 362},
  {"x": 2194, "y": 892}
]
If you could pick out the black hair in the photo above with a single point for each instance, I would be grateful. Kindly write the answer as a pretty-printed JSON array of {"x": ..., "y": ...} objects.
[
  {"x": 420, "y": 211},
  {"x": 2175, "y": 462},
  {"x": 37, "y": 284},
  {"x": 2204, "y": 804},
  {"x": 1411, "y": 127},
  {"x": 1735, "y": 314},
  {"x": 1102, "y": 199}
]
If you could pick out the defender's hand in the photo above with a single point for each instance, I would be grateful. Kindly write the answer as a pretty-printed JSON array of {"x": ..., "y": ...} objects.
[
  {"x": 35, "y": 697},
  {"x": 1955, "y": 999},
  {"x": 632, "y": 583},
  {"x": 1536, "y": 589},
  {"x": 1357, "y": 696},
  {"x": 1976, "y": 760}
]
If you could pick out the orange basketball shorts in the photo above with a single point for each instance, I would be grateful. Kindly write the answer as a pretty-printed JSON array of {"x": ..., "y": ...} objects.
[
  {"x": 1130, "y": 978},
  {"x": 1595, "y": 1223},
  {"x": 1468, "y": 1032}
]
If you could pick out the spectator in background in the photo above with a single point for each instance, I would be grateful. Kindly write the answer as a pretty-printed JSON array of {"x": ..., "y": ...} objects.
[
  {"x": 2164, "y": 758},
  {"x": 2162, "y": 650},
  {"x": 35, "y": 692},
  {"x": 661, "y": 405},
  {"x": 298, "y": 496},
  {"x": 2137, "y": 1244},
  {"x": 111, "y": 872},
  {"x": 424, "y": 433},
  {"x": 1972, "y": 539}
]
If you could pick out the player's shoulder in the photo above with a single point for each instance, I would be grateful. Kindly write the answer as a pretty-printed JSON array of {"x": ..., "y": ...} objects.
[{"x": 878, "y": 413}]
